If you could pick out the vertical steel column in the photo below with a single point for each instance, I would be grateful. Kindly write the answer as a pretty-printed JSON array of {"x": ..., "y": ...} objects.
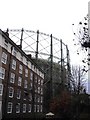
[
  {"x": 21, "y": 38},
  {"x": 51, "y": 68},
  {"x": 7, "y": 30},
  {"x": 68, "y": 68},
  {"x": 37, "y": 45},
  {"x": 62, "y": 82}
]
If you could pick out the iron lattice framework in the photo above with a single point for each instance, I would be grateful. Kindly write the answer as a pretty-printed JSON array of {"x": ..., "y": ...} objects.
[{"x": 42, "y": 46}]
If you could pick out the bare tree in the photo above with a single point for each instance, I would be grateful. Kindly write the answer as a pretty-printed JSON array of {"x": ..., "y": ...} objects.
[{"x": 78, "y": 79}]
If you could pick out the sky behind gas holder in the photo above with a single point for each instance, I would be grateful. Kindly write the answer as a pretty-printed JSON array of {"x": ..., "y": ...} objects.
[{"x": 49, "y": 16}]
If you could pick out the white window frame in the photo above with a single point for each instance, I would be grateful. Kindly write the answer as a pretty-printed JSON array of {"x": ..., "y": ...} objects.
[
  {"x": 41, "y": 90},
  {"x": 38, "y": 108},
  {"x": 42, "y": 82},
  {"x": 14, "y": 51},
  {"x": 4, "y": 58},
  {"x": 32, "y": 67},
  {"x": 39, "y": 81},
  {"x": 38, "y": 99},
  {"x": 2, "y": 72},
  {"x": 31, "y": 75},
  {"x": 26, "y": 72},
  {"x": 20, "y": 69},
  {"x": 35, "y": 98},
  {"x": 24, "y": 97},
  {"x": 38, "y": 89},
  {"x": 30, "y": 96},
  {"x": 35, "y": 88},
  {"x": 18, "y": 94},
  {"x": 13, "y": 64},
  {"x": 36, "y": 79},
  {"x": 25, "y": 84},
  {"x": 19, "y": 81},
  {"x": 41, "y": 99},
  {"x": 41, "y": 108},
  {"x": 9, "y": 107},
  {"x": 24, "y": 108},
  {"x": 6, "y": 45},
  {"x": 18, "y": 108},
  {"x": 29, "y": 108},
  {"x": 1, "y": 89},
  {"x": 12, "y": 78},
  {"x": 11, "y": 92},
  {"x": 35, "y": 108}
]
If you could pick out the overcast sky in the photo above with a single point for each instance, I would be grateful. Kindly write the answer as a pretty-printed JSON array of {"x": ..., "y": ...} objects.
[{"x": 49, "y": 16}]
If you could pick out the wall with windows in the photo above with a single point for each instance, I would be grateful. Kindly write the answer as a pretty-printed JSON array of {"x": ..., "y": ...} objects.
[{"x": 21, "y": 82}]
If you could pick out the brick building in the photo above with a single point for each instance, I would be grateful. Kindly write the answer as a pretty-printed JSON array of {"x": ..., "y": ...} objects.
[{"x": 21, "y": 82}]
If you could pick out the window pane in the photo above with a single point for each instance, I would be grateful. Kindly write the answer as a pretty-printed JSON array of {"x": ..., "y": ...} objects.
[
  {"x": 24, "y": 108},
  {"x": 19, "y": 81},
  {"x": 12, "y": 79},
  {"x": 18, "y": 94},
  {"x": 26, "y": 72},
  {"x": 31, "y": 85},
  {"x": 18, "y": 108},
  {"x": 34, "y": 108},
  {"x": 38, "y": 98},
  {"x": 5, "y": 45},
  {"x": 30, "y": 96},
  {"x": 41, "y": 108},
  {"x": 13, "y": 64},
  {"x": 20, "y": 69},
  {"x": 41, "y": 99},
  {"x": 38, "y": 89},
  {"x": 14, "y": 51},
  {"x": 2, "y": 73},
  {"x": 42, "y": 82},
  {"x": 37, "y": 108},
  {"x": 39, "y": 81},
  {"x": 25, "y": 84},
  {"x": 4, "y": 58},
  {"x": 9, "y": 108},
  {"x": 11, "y": 91},
  {"x": 35, "y": 88},
  {"x": 29, "y": 108},
  {"x": 1, "y": 89},
  {"x": 35, "y": 78},
  {"x": 41, "y": 90},
  {"x": 31, "y": 75}
]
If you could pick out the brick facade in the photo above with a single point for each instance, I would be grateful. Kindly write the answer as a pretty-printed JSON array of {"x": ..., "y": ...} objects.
[{"x": 22, "y": 94}]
